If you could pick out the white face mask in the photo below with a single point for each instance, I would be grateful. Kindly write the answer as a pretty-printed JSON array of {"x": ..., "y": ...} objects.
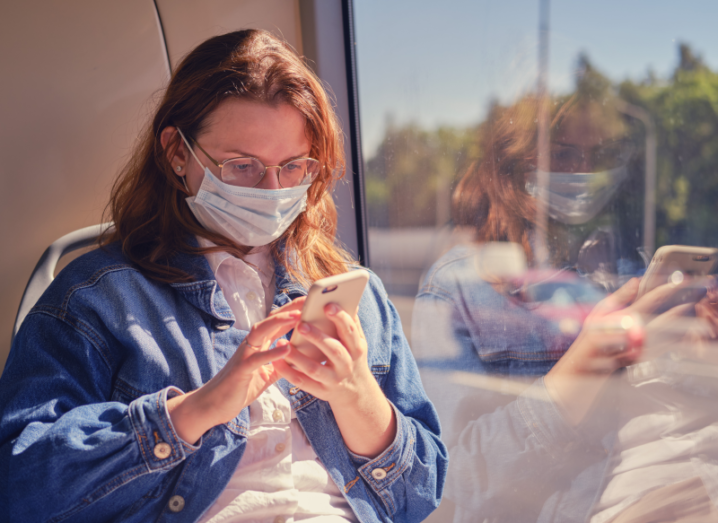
[
  {"x": 250, "y": 216},
  {"x": 575, "y": 198}
]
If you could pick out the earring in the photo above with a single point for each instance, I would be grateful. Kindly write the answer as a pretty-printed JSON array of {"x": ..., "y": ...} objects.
[{"x": 178, "y": 168}]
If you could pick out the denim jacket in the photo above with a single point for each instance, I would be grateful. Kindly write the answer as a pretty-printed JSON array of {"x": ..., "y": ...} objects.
[
  {"x": 466, "y": 324},
  {"x": 85, "y": 434}
]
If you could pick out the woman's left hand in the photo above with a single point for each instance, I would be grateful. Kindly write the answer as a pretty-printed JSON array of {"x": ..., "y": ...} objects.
[{"x": 364, "y": 415}]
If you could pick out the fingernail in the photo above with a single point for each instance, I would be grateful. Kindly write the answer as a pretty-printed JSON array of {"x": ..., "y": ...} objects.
[
  {"x": 332, "y": 309},
  {"x": 304, "y": 327}
]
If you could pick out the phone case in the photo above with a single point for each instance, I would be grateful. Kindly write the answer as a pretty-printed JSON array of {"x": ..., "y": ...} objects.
[
  {"x": 690, "y": 261},
  {"x": 343, "y": 289}
]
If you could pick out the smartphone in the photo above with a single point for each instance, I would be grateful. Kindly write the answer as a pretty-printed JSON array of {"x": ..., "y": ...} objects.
[
  {"x": 674, "y": 263},
  {"x": 343, "y": 289}
]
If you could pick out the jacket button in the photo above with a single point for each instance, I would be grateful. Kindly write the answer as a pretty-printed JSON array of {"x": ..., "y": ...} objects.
[
  {"x": 162, "y": 450},
  {"x": 222, "y": 326},
  {"x": 277, "y": 415},
  {"x": 176, "y": 504},
  {"x": 378, "y": 474}
]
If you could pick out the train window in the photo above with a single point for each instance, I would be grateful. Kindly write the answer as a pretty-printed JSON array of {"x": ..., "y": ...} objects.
[{"x": 523, "y": 162}]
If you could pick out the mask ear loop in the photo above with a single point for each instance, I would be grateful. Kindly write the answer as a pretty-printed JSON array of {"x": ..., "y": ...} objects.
[
  {"x": 184, "y": 178},
  {"x": 188, "y": 147}
]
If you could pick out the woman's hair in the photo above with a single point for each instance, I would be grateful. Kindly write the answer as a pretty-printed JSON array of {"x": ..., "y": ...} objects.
[
  {"x": 152, "y": 220},
  {"x": 491, "y": 197}
]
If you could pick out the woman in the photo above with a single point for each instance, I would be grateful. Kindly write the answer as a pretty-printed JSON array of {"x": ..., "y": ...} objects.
[
  {"x": 153, "y": 380},
  {"x": 554, "y": 448}
]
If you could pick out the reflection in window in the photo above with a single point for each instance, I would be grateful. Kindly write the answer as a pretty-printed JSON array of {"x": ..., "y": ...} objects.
[{"x": 563, "y": 394}]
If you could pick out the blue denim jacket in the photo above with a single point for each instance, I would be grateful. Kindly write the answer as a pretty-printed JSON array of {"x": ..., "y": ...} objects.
[
  {"x": 83, "y": 413},
  {"x": 466, "y": 324}
]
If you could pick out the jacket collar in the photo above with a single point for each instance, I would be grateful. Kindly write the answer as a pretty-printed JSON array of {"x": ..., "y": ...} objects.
[{"x": 205, "y": 294}]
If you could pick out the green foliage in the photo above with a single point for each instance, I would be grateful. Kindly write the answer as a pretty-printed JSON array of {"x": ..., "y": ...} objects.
[
  {"x": 685, "y": 112},
  {"x": 413, "y": 171}
]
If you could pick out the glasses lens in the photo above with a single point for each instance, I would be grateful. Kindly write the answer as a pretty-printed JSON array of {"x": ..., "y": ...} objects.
[
  {"x": 242, "y": 172},
  {"x": 299, "y": 172}
]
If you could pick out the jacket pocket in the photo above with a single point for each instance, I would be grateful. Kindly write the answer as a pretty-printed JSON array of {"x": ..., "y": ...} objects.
[{"x": 380, "y": 373}]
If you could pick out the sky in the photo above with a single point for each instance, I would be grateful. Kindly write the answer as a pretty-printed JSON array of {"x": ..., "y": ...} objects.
[{"x": 441, "y": 62}]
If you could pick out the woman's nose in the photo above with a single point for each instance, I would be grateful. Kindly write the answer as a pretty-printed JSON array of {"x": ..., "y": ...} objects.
[
  {"x": 270, "y": 180},
  {"x": 586, "y": 165}
]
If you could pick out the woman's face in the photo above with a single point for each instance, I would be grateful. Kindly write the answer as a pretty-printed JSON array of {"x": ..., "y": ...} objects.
[
  {"x": 274, "y": 134},
  {"x": 589, "y": 139}
]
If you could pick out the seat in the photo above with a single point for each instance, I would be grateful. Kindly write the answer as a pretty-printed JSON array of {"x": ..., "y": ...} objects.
[{"x": 44, "y": 271}]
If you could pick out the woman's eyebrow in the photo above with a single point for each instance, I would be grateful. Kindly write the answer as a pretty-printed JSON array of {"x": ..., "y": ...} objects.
[{"x": 236, "y": 153}]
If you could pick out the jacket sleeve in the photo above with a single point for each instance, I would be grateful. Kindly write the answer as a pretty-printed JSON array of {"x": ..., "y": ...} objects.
[
  {"x": 509, "y": 444},
  {"x": 408, "y": 477},
  {"x": 65, "y": 446}
]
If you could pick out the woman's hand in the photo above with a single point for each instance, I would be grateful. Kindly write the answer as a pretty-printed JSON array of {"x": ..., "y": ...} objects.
[
  {"x": 612, "y": 337},
  {"x": 244, "y": 377},
  {"x": 365, "y": 418}
]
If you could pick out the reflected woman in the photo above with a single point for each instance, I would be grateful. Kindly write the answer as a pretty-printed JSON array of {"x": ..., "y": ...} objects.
[{"x": 490, "y": 318}]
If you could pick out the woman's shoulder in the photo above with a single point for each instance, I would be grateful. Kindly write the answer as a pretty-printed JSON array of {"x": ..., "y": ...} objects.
[
  {"x": 90, "y": 271},
  {"x": 452, "y": 272},
  {"x": 91, "y": 266}
]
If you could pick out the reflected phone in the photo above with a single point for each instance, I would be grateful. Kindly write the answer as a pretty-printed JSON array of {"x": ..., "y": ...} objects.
[
  {"x": 343, "y": 289},
  {"x": 674, "y": 263}
]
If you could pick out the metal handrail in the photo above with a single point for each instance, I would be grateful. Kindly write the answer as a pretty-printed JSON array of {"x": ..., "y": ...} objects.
[{"x": 44, "y": 271}]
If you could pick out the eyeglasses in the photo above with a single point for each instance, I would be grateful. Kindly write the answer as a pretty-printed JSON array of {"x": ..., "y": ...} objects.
[
  {"x": 570, "y": 158},
  {"x": 248, "y": 171}
]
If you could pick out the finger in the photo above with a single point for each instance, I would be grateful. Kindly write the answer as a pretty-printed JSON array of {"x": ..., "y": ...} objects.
[
  {"x": 272, "y": 327},
  {"x": 335, "y": 351},
  {"x": 260, "y": 358},
  {"x": 313, "y": 376},
  {"x": 669, "y": 295},
  {"x": 619, "y": 299},
  {"x": 294, "y": 305},
  {"x": 297, "y": 378},
  {"x": 310, "y": 367},
  {"x": 348, "y": 330},
  {"x": 707, "y": 313}
]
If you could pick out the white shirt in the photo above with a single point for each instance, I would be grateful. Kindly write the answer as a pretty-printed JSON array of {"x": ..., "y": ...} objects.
[
  {"x": 279, "y": 478},
  {"x": 667, "y": 435}
]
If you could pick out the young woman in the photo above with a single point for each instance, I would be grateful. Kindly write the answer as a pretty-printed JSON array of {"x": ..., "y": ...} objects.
[
  {"x": 553, "y": 433},
  {"x": 153, "y": 381}
]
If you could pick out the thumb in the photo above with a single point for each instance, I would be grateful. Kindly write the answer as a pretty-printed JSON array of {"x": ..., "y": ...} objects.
[{"x": 620, "y": 299}]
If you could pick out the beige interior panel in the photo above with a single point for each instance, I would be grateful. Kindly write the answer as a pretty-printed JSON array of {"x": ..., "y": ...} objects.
[
  {"x": 78, "y": 80},
  {"x": 187, "y": 23}
]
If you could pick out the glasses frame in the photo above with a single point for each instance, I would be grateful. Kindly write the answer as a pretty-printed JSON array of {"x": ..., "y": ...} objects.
[{"x": 261, "y": 176}]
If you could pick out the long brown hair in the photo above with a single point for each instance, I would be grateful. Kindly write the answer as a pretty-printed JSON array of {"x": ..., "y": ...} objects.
[
  {"x": 491, "y": 197},
  {"x": 152, "y": 220}
]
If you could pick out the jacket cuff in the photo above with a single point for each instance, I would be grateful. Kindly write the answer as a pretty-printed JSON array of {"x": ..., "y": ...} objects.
[
  {"x": 160, "y": 445},
  {"x": 380, "y": 472},
  {"x": 545, "y": 421}
]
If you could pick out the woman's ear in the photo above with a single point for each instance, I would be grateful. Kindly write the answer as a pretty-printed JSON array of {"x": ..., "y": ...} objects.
[{"x": 176, "y": 154}]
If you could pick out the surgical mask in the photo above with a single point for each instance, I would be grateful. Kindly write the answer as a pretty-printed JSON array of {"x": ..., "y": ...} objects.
[
  {"x": 576, "y": 198},
  {"x": 250, "y": 216}
]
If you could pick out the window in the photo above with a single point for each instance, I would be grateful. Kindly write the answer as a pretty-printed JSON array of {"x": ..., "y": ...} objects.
[{"x": 524, "y": 160}]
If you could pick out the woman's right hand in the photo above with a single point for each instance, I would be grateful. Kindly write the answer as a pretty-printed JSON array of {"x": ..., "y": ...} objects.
[
  {"x": 244, "y": 377},
  {"x": 612, "y": 337}
]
